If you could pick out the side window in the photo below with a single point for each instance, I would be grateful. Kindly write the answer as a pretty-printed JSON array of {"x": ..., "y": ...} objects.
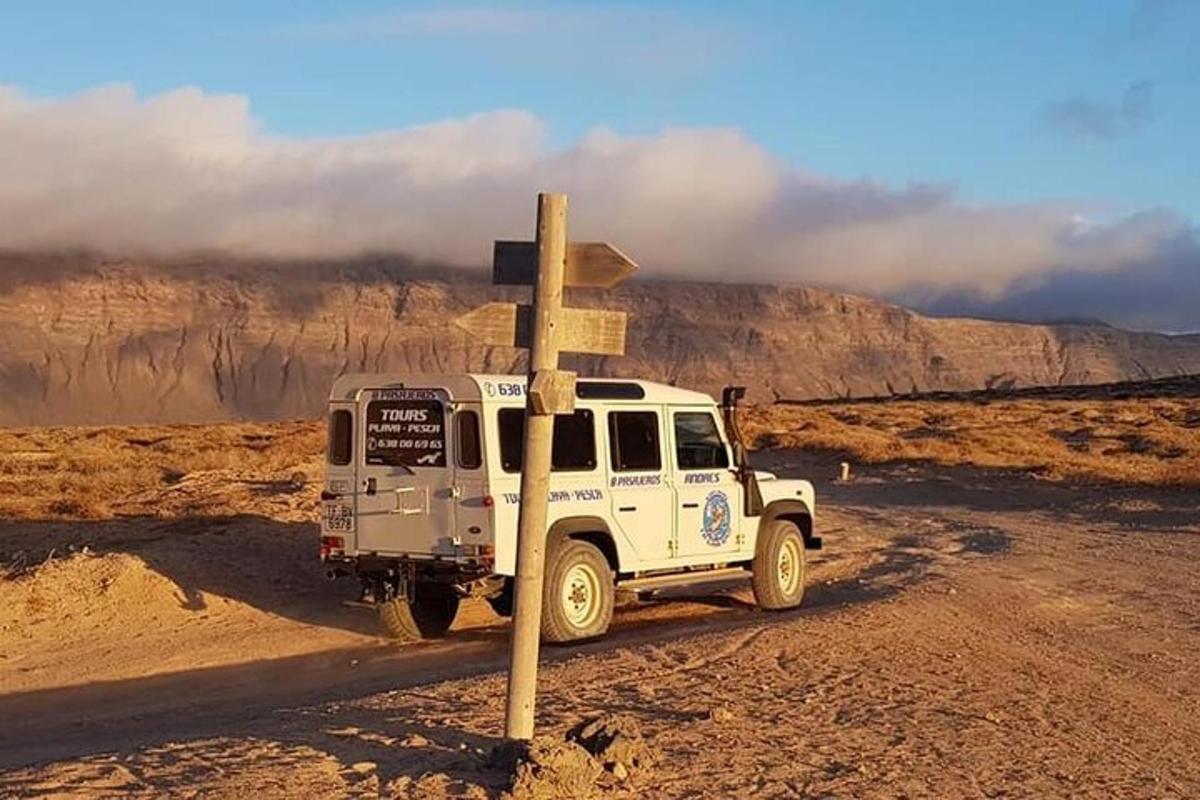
[
  {"x": 633, "y": 441},
  {"x": 341, "y": 437},
  {"x": 470, "y": 455},
  {"x": 512, "y": 438},
  {"x": 698, "y": 445},
  {"x": 574, "y": 442}
]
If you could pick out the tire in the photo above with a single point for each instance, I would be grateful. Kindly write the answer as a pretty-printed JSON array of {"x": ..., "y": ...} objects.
[
  {"x": 428, "y": 615},
  {"x": 578, "y": 593},
  {"x": 778, "y": 567}
]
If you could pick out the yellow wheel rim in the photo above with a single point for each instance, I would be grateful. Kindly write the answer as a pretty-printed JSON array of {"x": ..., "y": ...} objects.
[
  {"x": 580, "y": 597},
  {"x": 788, "y": 570}
]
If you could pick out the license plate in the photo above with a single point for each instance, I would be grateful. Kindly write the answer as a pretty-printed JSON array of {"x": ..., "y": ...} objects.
[{"x": 338, "y": 517}]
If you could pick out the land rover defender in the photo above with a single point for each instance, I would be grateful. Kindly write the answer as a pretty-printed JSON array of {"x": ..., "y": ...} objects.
[{"x": 649, "y": 489}]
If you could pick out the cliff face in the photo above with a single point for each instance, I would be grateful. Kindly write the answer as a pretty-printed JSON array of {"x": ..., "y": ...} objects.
[{"x": 106, "y": 343}]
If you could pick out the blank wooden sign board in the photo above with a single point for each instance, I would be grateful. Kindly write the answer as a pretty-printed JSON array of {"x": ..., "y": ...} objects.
[
  {"x": 548, "y": 264},
  {"x": 580, "y": 330}
]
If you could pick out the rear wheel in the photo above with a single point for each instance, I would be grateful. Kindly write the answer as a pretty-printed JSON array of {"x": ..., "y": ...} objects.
[
  {"x": 778, "y": 566},
  {"x": 428, "y": 615},
  {"x": 578, "y": 593}
]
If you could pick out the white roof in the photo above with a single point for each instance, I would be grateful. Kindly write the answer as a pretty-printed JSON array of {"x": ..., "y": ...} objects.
[{"x": 468, "y": 387}]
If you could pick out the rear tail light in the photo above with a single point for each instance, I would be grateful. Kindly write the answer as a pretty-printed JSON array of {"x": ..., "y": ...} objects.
[
  {"x": 330, "y": 544},
  {"x": 488, "y": 501}
]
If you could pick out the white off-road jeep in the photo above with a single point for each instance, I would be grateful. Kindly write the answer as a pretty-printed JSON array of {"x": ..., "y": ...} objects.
[{"x": 650, "y": 489}]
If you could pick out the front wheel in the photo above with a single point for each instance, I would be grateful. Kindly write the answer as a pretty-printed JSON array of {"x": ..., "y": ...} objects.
[
  {"x": 778, "y": 566},
  {"x": 578, "y": 593},
  {"x": 428, "y": 615}
]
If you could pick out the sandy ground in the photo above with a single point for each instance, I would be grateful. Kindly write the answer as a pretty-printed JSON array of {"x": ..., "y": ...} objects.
[{"x": 966, "y": 634}]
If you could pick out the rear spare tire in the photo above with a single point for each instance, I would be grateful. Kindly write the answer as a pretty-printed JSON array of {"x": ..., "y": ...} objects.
[
  {"x": 428, "y": 615},
  {"x": 778, "y": 567},
  {"x": 578, "y": 593}
]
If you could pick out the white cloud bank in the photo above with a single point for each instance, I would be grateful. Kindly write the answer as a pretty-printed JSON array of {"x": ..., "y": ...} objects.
[{"x": 186, "y": 170}]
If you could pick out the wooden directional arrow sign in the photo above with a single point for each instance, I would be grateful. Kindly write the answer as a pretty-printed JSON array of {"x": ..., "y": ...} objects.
[
  {"x": 579, "y": 330},
  {"x": 596, "y": 265}
]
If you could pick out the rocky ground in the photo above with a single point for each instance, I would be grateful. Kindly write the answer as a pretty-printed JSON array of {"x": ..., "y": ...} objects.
[{"x": 965, "y": 634}]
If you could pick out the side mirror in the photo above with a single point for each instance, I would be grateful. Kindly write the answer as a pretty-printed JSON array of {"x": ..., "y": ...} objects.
[{"x": 739, "y": 454}]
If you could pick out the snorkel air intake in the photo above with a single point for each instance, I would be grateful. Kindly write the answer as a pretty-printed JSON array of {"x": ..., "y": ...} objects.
[{"x": 731, "y": 396}]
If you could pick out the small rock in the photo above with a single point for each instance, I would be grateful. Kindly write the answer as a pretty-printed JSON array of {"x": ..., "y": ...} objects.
[
  {"x": 619, "y": 772},
  {"x": 363, "y": 766},
  {"x": 720, "y": 714},
  {"x": 415, "y": 740}
]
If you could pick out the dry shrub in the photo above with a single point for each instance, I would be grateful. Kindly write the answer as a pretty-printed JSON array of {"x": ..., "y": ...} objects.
[
  {"x": 50, "y": 473},
  {"x": 1145, "y": 441},
  {"x": 62, "y": 473}
]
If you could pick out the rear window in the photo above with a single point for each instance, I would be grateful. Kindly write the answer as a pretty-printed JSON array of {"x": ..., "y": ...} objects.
[
  {"x": 470, "y": 455},
  {"x": 574, "y": 442},
  {"x": 633, "y": 440},
  {"x": 341, "y": 437},
  {"x": 406, "y": 433}
]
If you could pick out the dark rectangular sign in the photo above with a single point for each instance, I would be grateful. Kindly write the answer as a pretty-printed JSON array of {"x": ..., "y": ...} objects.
[{"x": 406, "y": 433}]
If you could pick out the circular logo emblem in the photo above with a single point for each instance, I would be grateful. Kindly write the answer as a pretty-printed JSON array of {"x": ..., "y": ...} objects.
[
  {"x": 715, "y": 530},
  {"x": 489, "y": 389}
]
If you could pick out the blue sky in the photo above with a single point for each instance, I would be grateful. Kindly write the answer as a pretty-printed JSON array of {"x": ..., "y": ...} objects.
[
  {"x": 924, "y": 91},
  {"x": 957, "y": 156}
]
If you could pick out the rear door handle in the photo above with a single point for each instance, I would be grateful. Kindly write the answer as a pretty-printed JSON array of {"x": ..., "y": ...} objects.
[
  {"x": 627, "y": 508},
  {"x": 691, "y": 505}
]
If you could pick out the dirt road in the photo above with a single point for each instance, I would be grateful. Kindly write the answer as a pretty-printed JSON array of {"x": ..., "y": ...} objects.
[{"x": 965, "y": 634}]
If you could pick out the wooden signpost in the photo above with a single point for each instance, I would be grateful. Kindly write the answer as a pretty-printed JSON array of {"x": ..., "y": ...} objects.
[
  {"x": 548, "y": 264},
  {"x": 580, "y": 330},
  {"x": 596, "y": 265}
]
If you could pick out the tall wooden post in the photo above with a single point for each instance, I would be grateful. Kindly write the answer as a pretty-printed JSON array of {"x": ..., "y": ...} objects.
[
  {"x": 547, "y": 264},
  {"x": 535, "y": 470}
]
